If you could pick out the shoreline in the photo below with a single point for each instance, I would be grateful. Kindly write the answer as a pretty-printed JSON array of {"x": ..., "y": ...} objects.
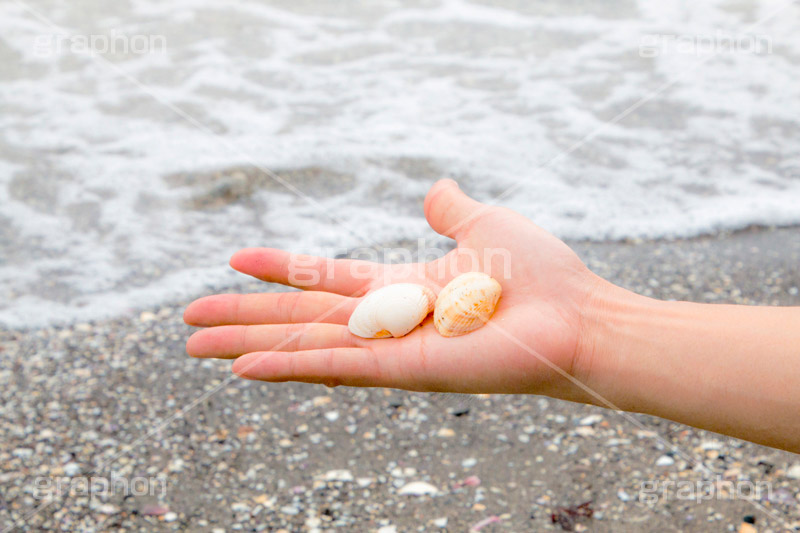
[
  {"x": 779, "y": 241},
  {"x": 104, "y": 395}
]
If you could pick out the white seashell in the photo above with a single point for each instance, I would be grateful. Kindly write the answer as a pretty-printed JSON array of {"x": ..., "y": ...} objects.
[
  {"x": 391, "y": 311},
  {"x": 465, "y": 304}
]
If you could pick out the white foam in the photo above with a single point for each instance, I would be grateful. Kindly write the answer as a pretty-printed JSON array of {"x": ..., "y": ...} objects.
[{"x": 492, "y": 93}]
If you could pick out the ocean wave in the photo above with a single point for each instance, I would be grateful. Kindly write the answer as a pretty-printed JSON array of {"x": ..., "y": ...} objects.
[{"x": 128, "y": 177}]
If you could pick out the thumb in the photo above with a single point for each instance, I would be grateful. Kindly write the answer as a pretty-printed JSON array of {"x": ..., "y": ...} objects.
[{"x": 449, "y": 211}]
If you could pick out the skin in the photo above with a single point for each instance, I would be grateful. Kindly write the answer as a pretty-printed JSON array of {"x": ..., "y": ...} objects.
[{"x": 558, "y": 330}]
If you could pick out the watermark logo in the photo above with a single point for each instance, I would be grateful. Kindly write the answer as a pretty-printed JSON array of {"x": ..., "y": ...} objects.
[
  {"x": 306, "y": 271},
  {"x": 51, "y": 44},
  {"x": 657, "y": 44},
  {"x": 652, "y": 492},
  {"x": 98, "y": 486}
]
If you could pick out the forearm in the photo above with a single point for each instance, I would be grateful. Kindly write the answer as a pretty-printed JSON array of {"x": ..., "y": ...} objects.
[{"x": 730, "y": 369}]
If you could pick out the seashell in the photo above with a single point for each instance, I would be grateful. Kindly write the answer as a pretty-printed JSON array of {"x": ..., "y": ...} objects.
[
  {"x": 391, "y": 311},
  {"x": 465, "y": 304}
]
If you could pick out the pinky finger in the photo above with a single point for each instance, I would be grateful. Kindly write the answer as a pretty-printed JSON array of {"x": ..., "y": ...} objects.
[{"x": 355, "y": 367}]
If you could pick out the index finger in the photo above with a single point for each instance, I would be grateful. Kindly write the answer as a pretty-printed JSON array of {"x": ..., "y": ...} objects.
[{"x": 341, "y": 276}]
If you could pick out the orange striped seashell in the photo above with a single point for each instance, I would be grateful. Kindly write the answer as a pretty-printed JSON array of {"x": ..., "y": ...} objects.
[{"x": 465, "y": 304}]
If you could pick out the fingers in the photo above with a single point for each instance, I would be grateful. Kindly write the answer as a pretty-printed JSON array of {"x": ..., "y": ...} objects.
[
  {"x": 357, "y": 367},
  {"x": 449, "y": 211},
  {"x": 228, "y": 342},
  {"x": 341, "y": 276},
  {"x": 270, "y": 308}
]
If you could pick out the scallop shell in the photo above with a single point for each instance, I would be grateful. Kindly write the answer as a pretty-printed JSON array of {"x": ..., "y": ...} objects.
[
  {"x": 391, "y": 311},
  {"x": 465, "y": 304}
]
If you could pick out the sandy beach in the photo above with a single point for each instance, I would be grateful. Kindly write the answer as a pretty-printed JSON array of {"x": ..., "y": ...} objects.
[
  {"x": 142, "y": 143},
  {"x": 121, "y": 399}
]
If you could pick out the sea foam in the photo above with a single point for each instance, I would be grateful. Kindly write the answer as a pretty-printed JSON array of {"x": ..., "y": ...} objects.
[{"x": 127, "y": 179}]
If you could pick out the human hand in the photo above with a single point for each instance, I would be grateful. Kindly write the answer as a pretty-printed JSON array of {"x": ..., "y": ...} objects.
[{"x": 532, "y": 344}]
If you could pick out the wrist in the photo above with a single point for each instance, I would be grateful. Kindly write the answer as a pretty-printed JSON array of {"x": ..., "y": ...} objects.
[
  {"x": 729, "y": 369},
  {"x": 612, "y": 319}
]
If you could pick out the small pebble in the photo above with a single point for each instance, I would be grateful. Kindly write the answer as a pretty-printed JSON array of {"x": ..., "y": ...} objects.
[
  {"x": 154, "y": 510},
  {"x": 665, "y": 460},
  {"x": 445, "y": 433},
  {"x": 240, "y": 507},
  {"x": 337, "y": 475},
  {"x": 108, "y": 509},
  {"x": 418, "y": 488},
  {"x": 470, "y": 481},
  {"x": 23, "y": 453},
  {"x": 590, "y": 420},
  {"x": 460, "y": 411}
]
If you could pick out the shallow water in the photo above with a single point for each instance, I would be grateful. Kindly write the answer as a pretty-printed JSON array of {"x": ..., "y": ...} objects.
[{"x": 129, "y": 176}]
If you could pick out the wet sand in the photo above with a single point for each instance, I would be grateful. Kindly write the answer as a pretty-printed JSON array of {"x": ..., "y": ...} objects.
[{"x": 121, "y": 398}]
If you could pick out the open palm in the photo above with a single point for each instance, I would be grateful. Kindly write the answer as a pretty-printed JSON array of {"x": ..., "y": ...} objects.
[{"x": 529, "y": 345}]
